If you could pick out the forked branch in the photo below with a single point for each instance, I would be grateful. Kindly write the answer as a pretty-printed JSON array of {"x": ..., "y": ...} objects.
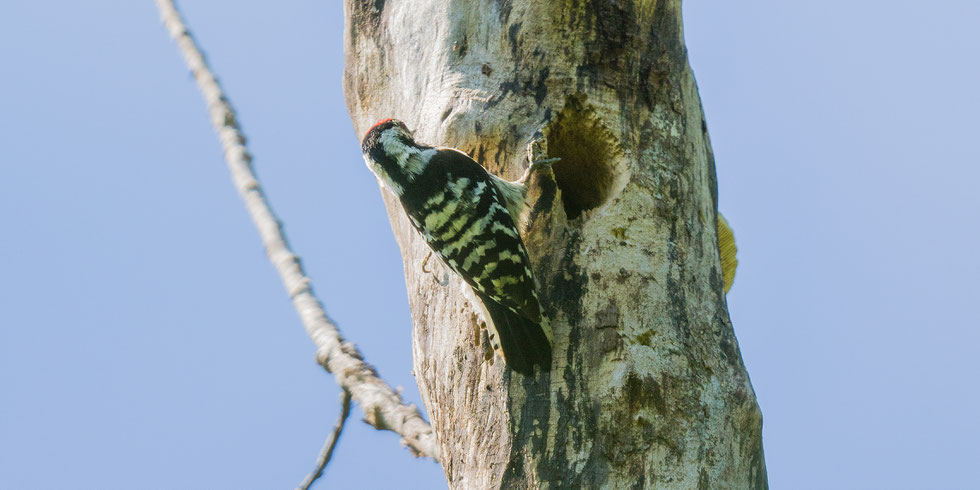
[{"x": 383, "y": 407}]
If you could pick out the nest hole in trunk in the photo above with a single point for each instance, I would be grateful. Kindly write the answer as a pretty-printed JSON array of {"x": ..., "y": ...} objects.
[{"x": 586, "y": 174}]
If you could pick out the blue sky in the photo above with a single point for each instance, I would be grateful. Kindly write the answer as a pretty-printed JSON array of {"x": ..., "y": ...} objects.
[{"x": 146, "y": 342}]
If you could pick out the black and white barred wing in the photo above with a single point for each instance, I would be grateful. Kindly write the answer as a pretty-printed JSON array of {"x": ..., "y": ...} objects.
[{"x": 462, "y": 214}]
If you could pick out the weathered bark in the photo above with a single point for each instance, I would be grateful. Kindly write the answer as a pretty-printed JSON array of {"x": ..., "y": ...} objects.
[{"x": 648, "y": 388}]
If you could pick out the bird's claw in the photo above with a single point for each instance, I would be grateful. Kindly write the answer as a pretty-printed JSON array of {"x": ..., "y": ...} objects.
[
  {"x": 537, "y": 151},
  {"x": 442, "y": 282}
]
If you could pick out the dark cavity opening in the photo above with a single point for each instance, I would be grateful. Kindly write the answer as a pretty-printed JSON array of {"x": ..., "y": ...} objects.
[{"x": 587, "y": 150}]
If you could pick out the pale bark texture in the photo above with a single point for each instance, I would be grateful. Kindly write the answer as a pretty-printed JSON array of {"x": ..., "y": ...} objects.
[{"x": 648, "y": 388}]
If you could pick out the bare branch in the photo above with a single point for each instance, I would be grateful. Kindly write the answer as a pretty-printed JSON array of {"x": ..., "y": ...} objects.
[
  {"x": 383, "y": 407},
  {"x": 331, "y": 442}
]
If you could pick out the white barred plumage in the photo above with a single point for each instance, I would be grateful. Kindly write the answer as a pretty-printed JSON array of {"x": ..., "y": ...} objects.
[{"x": 469, "y": 219}]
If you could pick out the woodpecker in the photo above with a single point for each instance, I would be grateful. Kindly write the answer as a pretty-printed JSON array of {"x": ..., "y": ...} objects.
[{"x": 469, "y": 217}]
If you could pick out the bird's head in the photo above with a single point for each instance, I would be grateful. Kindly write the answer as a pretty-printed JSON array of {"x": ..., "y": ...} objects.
[
  {"x": 392, "y": 154},
  {"x": 386, "y": 130}
]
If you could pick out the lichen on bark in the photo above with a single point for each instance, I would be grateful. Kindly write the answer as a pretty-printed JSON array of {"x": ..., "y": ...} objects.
[{"x": 648, "y": 389}]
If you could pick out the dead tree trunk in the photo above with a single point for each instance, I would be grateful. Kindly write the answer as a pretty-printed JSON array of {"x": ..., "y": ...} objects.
[{"x": 648, "y": 389}]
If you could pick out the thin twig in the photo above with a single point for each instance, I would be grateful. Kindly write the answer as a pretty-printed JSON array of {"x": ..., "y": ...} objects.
[
  {"x": 383, "y": 407},
  {"x": 331, "y": 442}
]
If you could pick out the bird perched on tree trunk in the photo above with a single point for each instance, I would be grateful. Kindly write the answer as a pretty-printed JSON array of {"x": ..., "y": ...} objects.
[{"x": 469, "y": 218}]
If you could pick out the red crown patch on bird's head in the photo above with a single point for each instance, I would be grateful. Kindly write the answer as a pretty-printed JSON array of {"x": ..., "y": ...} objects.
[{"x": 379, "y": 123}]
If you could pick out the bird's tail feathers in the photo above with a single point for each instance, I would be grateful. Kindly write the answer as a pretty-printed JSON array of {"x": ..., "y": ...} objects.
[{"x": 523, "y": 342}]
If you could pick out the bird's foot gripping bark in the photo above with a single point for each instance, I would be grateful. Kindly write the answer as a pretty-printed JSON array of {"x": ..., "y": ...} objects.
[
  {"x": 442, "y": 282},
  {"x": 537, "y": 151}
]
